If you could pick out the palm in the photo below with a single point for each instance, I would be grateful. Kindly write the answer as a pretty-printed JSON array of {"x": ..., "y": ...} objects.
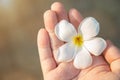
[
  {"x": 48, "y": 44},
  {"x": 65, "y": 71}
]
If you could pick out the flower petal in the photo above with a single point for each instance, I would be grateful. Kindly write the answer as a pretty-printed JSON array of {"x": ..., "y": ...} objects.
[
  {"x": 83, "y": 59},
  {"x": 96, "y": 46},
  {"x": 89, "y": 28},
  {"x": 66, "y": 53},
  {"x": 65, "y": 30}
]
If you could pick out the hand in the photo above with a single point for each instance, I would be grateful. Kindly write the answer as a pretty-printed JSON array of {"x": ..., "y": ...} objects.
[{"x": 105, "y": 67}]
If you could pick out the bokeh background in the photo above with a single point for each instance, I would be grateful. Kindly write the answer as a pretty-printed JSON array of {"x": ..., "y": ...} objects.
[{"x": 20, "y": 21}]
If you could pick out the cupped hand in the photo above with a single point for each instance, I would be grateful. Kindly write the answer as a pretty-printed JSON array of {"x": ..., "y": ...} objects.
[{"x": 104, "y": 67}]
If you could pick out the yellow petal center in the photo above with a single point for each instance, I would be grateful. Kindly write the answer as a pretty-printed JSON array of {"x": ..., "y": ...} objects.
[{"x": 77, "y": 40}]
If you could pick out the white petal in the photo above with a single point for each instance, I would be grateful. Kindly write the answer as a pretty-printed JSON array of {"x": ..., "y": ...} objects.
[
  {"x": 83, "y": 59},
  {"x": 66, "y": 53},
  {"x": 89, "y": 28},
  {"x": 96, "y": 45},
  {"x": 65, "y": 30}
]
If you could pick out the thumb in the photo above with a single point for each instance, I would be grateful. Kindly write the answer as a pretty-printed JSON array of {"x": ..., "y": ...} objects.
[{"x": 112, "y": 55}]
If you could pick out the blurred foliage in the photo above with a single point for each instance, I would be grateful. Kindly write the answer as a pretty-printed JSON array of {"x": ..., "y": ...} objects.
[{"x": 20, "y": 21}]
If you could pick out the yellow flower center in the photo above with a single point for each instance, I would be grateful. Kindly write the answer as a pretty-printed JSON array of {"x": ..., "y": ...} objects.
[{"x": 78, "y": 40}]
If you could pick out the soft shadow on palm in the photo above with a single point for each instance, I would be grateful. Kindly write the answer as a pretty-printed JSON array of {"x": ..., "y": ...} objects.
[
  {"x": 100, "y": 70},
  {"x": 48, "y": 44}
]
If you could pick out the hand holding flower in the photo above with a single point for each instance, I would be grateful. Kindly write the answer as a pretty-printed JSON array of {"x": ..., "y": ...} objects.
[{"x": 104, "y": 67}]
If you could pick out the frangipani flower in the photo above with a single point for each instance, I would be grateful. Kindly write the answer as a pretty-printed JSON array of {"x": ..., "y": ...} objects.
[{"x": 79, "y": 44}]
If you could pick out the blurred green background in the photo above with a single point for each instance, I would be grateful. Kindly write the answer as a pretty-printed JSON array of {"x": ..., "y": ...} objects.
[{"x": 20, "y": 21}]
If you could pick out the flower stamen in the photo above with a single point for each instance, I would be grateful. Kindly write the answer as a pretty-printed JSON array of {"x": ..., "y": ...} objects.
[{"x": 78, "y": 40}]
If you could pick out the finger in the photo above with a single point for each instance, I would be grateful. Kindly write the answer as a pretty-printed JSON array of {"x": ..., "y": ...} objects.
[
  {"x": 60, "y": 10},
  {"x": 75, "y": 17},
  {"x": 50, "y": 20},
  {"x": 112, "y": 55},
  {"x": 46, "y": 57}
]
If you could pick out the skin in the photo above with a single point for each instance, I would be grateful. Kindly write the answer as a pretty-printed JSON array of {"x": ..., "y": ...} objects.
[{"x": 104, "y": 67}]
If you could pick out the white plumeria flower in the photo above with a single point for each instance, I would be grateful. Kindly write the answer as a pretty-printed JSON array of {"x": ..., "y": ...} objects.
[{"x": 79, "y": 44}]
